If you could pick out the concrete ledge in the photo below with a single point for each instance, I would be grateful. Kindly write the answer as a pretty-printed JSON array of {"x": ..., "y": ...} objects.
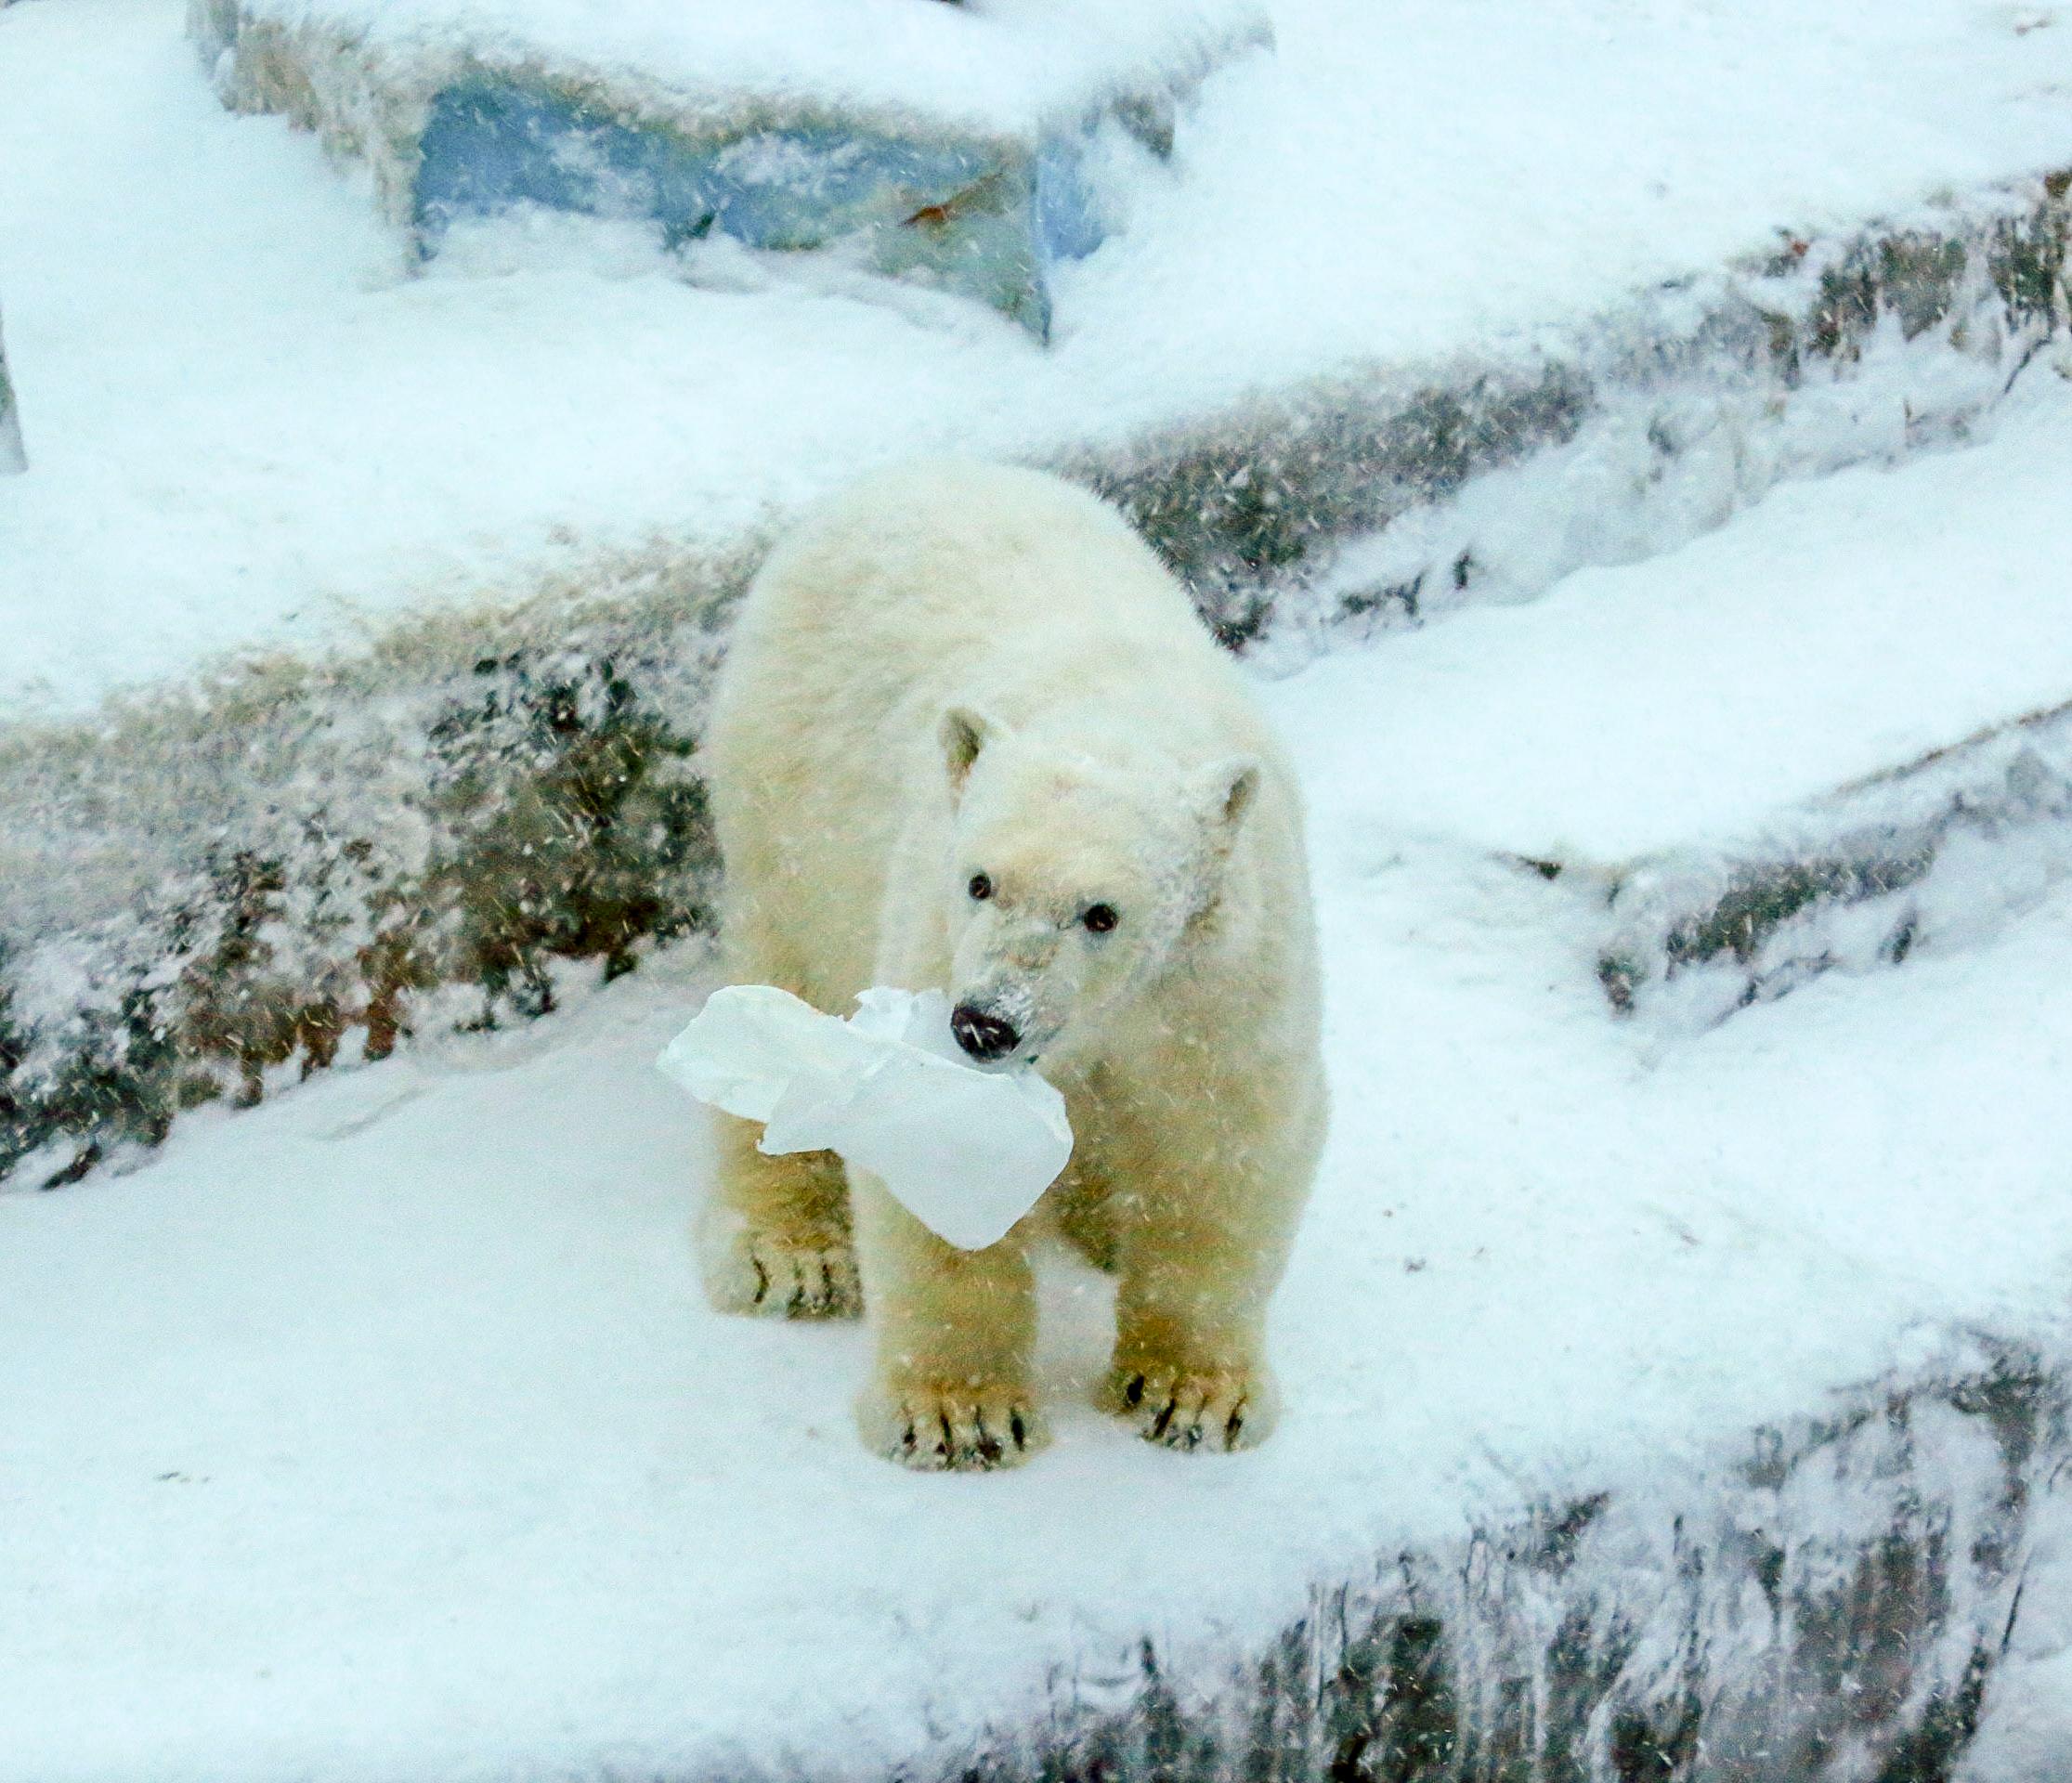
[{"x": 455, "y": 131}]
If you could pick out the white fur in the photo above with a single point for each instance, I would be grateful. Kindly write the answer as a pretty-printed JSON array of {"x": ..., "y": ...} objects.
[{"x": 959, "y": 669}]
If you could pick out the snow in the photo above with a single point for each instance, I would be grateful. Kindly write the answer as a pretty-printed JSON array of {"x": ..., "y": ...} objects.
[
  {"x": 1838, "y": 628},
  {"x": 382, "y": 1431},
  {"x": 254, "y": 430},
  {"x": 1007, "y": 67},
  {"x": 13, "y": 459}
]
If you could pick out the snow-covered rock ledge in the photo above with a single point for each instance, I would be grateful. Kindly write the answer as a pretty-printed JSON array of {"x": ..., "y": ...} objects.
[
  {"x": 1930, "y": 853},
  {"x": 406, "y": 1452},
  {"x": 910, "y": 139},
  {"x": 214, "y": 889},
  {"x": 1641, "y": 1415},
  {"x": 1392, "y": 497},
  {"x": 1834, "y": 1604},
  {"x": 1831, "y": 733}
]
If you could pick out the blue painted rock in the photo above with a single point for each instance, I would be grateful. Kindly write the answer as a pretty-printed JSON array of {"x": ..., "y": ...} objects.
[{"x": 957, "y": 144}]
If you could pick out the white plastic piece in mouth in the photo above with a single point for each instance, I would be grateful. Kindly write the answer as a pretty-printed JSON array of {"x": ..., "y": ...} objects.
[{"x": 966, "y": 1150}]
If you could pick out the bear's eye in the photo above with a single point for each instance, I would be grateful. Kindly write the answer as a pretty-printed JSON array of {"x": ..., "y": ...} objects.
[
  {"x": 980, "y": 888},
  {"x": 1101, "y": 917}
]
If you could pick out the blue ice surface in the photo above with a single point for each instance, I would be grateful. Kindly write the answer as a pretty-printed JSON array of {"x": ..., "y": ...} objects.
[{"x": 492, "y": 143}]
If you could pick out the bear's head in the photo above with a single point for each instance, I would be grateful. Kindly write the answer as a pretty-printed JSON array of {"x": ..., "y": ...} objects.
[{"x": 1072, "y": 881}]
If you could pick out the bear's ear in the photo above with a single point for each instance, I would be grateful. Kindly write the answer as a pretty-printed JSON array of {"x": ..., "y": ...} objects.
[
  {"x": 1224, "y": 793},
  {"x": 963, "y": 733}
]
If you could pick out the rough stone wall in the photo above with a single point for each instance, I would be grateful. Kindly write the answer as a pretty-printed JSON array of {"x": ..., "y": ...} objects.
[
  {"x": 1830, "y": 1606},
  {"x": 206, "y": 898},
  {"x": 1254, "y": 506}
]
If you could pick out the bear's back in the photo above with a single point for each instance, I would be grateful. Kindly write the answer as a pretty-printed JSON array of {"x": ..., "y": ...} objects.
[
  {"x": 960, "y": 544},
  {"x": 939, "y": 580}
]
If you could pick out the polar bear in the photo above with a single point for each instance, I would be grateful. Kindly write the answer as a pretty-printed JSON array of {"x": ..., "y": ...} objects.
[{"x": 971, "y": 737}]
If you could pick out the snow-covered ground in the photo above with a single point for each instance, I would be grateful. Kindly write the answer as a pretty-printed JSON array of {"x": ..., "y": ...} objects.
[
  {"x": 248, "y": 426},
  {"x": 383, "y": 1431}
]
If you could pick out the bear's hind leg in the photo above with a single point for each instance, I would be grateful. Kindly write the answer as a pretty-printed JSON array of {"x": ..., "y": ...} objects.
[{"x": 774, "y": 1237}]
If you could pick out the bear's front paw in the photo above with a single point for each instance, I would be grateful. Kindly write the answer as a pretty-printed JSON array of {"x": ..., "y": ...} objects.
[
  {"x": 957, "y": 1428},
  {"x": 1220, "y": 1409},
  {"x": 763, "y": 1275}
]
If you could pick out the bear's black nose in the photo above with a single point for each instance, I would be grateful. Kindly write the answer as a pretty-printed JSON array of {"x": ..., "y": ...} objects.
[{"x": 984, "y": 1036}]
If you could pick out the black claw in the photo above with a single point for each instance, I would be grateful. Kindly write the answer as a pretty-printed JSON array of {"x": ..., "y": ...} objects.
[
  {"x": 1134, "y": 1393},
  {"x": 827, "y": 1285},
  {"x": 909, "y": 1442},
  {"x": 761, "y": 1280},
  {"x": 989, "y": 1446},
  {"x": 1163, "y": 1418},
  {"x": 943, "y": 1447},
  {"x": 1235, "y": 1428},
  {"x": 1019, "y": 1430}
]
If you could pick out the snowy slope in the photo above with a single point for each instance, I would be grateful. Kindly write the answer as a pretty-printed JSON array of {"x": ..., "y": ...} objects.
[
  {"x": 252, "y": 427},
  {"x": 382, "y": 1431}
]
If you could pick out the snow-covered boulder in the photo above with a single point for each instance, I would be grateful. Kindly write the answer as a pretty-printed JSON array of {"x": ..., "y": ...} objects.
[{"x": 960, "y": 146}]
